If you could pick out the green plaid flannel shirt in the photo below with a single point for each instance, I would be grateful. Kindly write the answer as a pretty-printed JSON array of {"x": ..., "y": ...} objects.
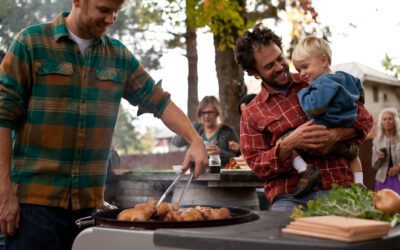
[{"x": 64, "y": 108}]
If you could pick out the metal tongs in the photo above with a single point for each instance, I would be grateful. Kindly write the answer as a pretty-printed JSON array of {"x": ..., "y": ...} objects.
[{"x": 173, "y": 184}]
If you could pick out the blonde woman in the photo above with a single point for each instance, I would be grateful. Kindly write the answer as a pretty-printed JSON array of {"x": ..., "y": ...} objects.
[
  {"x": 215, "y": 134},
  {"x": 386, "y": 151}
]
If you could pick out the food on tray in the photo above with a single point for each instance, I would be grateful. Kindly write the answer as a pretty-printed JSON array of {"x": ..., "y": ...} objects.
[
  {"x": 237, "y": 163},
  {"x": 214, "y": 213},
  {"x": 141, "y": 212},
  {"x": 355, "y": 201},
  {"x": 171, "y": 212}
]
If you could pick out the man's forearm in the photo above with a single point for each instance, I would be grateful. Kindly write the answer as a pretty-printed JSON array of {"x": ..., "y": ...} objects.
[
  {"x": 176, "y": 120},
  {"x": 5, "y": 155},
  {"x": 285, "y": 150}
]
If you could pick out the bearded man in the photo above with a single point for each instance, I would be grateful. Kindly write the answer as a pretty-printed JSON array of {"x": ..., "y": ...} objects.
[{"x": 274, "y": 112}]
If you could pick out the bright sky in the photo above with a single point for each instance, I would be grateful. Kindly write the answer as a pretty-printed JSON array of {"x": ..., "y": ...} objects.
[{"x": 362, "y": 31}]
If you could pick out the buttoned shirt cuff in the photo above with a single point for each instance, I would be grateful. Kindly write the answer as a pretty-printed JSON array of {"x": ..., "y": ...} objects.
[
  {"x": 8, "y": 121},
  {"x": 157, "y": 103}
]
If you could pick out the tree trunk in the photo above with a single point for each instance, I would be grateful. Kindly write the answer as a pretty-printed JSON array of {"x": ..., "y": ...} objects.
[
  {"x": 231, "y": 84},
  {"x": 230, "y": 79},
  {"x": 191, "y": 52}
]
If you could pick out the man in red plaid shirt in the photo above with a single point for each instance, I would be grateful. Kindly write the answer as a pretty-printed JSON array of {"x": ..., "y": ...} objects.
[{"x": 274, "y": 112}]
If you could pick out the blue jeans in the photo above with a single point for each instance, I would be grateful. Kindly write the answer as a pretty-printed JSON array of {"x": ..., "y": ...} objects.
[
  {"x": 2, "y": 239},
  {"x": 286, "y": 202},
  {"x": 43, "y": 227}
]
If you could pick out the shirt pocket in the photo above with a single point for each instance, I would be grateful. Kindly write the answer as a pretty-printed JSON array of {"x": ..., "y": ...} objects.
[
  {"x": 53, "y": 79},
  {"x": 110, "y": 84},
  {"x": 55, "y": 68},
  {"x": 110, "y": 75}
]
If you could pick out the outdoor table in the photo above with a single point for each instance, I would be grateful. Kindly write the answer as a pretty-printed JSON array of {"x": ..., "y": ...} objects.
[
  {"x": 264, "y": 233},
  {"x": 229, "y": 188}
]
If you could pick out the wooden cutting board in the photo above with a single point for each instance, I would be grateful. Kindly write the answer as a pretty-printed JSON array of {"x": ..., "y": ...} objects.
[{"x": 338, "y": 228}]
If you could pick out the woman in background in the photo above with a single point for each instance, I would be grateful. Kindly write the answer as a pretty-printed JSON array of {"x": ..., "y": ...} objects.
[
  {"x": 386, "y": 151},
  {"x": 216, "y": 135}
]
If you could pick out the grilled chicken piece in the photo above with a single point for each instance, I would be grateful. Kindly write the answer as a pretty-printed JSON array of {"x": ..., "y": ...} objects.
[
  {"x": 214, "y": 213},
  {"x": 164, "y": 208},
  {"x": 190, "y": 214},
  {"x": 141, "y": 212},
  {"x": 183, "y": 214},
  {"x": 172, "y": 212},
  {"x": 167, "y": 211}
]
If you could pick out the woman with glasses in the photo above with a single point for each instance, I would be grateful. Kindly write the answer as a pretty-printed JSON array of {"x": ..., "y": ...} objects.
[{"x": 215, "y": 134}]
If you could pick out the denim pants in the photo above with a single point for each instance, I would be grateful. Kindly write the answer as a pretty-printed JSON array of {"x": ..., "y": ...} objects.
[
  {"x": 2, "y": 239},
  {"x": 43, "y": 227},
  {"x": 286, "y": 202}
]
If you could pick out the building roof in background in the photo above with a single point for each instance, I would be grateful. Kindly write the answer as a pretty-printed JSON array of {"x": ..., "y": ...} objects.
[{"x": 366, "y": 73}]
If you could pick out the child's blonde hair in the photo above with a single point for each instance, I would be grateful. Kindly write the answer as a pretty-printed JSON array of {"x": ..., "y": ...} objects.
[{"x": 311, "y": 46}]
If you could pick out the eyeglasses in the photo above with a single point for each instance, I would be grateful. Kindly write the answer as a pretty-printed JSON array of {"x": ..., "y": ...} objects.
[{"x": 209, "y": 113}]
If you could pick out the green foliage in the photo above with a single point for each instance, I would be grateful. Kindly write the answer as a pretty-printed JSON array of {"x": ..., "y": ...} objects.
[
  {"x": 149, "y": 12},
  {"x": 5, "y": 8},
  {"x": 16, "y": 15},
  {"x": 225, "y": 20},
  {"x": 354, "y": 201},
  {"x": 389, "y": 65}
]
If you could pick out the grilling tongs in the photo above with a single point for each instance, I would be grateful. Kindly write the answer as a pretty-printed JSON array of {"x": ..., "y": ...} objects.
[{"x": 173, "y": 184}]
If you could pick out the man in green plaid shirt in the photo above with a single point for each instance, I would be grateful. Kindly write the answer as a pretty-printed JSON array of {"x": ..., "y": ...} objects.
[{"x": 61, "y": 84}]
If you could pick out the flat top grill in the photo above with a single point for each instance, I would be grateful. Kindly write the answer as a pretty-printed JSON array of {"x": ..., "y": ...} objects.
[{"x": 264, "y": 233}]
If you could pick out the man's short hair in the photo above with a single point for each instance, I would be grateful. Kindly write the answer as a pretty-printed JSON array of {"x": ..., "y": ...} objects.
[
  {"x": 310, "y": 47},
  {"x": 250, "y": 40}
]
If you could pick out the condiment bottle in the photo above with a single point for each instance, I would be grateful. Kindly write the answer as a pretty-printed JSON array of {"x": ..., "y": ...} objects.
[{"x": 214, "y": 163}]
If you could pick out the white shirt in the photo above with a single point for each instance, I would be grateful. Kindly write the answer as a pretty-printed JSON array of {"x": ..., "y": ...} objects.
[{"x": 82, "y": 43}]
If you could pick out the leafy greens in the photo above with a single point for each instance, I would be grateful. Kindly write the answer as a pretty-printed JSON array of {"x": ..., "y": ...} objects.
[{"x": 354, "y": 201}]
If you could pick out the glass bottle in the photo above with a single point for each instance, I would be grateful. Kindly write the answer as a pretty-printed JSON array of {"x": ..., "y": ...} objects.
[{"x": 214, "y": 163}]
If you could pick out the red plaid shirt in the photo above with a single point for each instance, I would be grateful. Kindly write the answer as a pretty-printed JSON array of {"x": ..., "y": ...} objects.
[{"x": 269, "y": 116}]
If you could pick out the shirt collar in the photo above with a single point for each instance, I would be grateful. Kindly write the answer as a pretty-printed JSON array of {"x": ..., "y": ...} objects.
[
  {"x": 61, "y": 31},
  {"x": 266, "y": 91}
]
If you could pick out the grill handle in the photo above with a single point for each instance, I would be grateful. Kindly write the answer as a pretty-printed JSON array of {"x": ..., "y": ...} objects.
[{"x": 85, "y": 222}]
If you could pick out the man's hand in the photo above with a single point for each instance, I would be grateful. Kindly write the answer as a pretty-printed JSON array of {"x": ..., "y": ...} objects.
[
  {"x": 308, "y": 137},
  {"x": 196, "y": 153},
  {"x": 9, "y": 206},
  {"x": 9, "y": 210},
  {"x": 335, "y": 135},
  {"x": 332, "y": 138}
]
